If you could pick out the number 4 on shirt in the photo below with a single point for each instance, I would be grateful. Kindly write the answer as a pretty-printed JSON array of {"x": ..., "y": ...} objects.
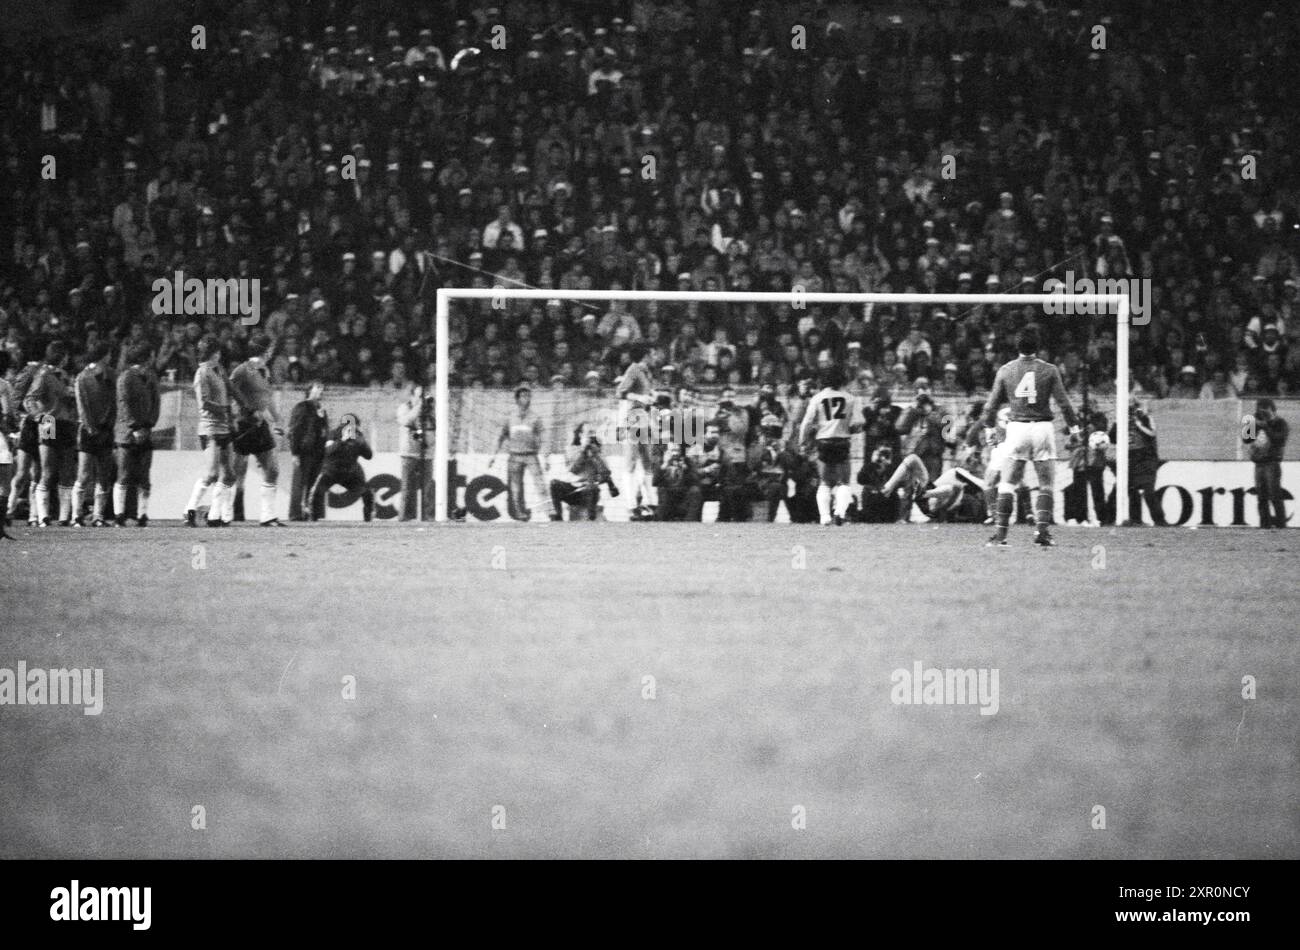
[{"x": 1026, "y": 390}]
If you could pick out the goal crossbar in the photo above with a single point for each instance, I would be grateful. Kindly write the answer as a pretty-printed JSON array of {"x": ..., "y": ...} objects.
[{"x": 1118, "y": 303}]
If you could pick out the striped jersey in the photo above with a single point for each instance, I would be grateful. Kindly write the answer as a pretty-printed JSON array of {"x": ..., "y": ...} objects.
[{"x": 831, "y": 413}]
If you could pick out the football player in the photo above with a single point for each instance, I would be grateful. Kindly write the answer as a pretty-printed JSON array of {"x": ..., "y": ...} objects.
[
  {"x": 212, "y": 390},
  {"x": 250, "y": 387},
  {"x": 1028, "y": 385},
  {"x": 828, "y": 415},
  {"x": 51, "y": 402},
  {"x": 27, "y": 461},
  {"x": 138, "y": 403},
  {"x": 636, "y": 399},
  {"x": 96, "y": 391},
  {"x": 8, "y": 420}
]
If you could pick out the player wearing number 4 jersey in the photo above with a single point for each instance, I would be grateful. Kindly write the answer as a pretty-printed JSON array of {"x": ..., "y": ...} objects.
[
  {"x": 1028, "y": 385},
  {"x": 830, "y": 414}
]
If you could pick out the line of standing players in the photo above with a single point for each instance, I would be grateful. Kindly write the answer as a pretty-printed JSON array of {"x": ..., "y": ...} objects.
[{"x": 64, "y": 437}]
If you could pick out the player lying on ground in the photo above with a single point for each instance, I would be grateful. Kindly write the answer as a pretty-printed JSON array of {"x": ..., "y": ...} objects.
[{"x": 1028, "y": 385}]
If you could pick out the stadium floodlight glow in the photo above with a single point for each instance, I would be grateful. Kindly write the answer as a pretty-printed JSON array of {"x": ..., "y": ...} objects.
[{"x": 1118, "y": 302}]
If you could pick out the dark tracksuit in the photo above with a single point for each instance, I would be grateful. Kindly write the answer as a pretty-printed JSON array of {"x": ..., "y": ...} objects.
[
  {"x": 1268, "y": 475},
  {"x": 138, "y": 405},
  {"x": 308, "y": 428}
]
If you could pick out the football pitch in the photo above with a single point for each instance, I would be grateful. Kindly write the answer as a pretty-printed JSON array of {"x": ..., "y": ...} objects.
[{"x": 652, "y": 690}]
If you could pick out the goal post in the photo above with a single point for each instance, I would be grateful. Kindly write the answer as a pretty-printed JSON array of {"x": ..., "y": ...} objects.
[{"x": 1118, "y": 303}]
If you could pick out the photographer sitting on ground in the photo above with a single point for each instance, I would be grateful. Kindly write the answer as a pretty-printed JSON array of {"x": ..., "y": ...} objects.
[
  {"x": 586, "y": 471},
  {"x": 876, "y": 507}
]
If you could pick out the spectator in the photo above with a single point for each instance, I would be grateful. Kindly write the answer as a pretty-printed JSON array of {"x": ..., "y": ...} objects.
[
  {"x": 1186, "y": 387},
  {"x": 1218, "y": 387}
]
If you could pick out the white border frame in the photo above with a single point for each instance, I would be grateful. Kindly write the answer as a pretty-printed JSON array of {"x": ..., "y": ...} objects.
[{"x": 442, "y": 390}]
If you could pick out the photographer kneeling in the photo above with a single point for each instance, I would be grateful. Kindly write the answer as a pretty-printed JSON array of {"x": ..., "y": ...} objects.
[{"x": 585, "y": 472}]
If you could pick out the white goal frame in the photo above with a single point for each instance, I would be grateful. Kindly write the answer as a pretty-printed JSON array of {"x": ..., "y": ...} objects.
[{"x": 1100, "y": 303}]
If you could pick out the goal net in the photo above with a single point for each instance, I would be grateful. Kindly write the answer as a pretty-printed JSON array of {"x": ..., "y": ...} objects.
[{"x": 471, "y": 417}]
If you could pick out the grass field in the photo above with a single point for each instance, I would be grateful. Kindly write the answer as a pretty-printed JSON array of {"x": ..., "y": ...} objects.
[{"x": 503, "y": 666}]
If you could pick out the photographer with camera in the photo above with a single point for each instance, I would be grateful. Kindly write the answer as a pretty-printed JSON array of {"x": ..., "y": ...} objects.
[
  {"x": 773, "y": 463},
  {"x": 1143, "y": 463},
  {"x": 585, "y": 471},
  {"x": 680, "y": 496},
  {"x": 875, "y": 507},
  {"x": 1271, "y": 432},
  {"x": 343, "y": 450},
  {"x": 415, "y": 416}
]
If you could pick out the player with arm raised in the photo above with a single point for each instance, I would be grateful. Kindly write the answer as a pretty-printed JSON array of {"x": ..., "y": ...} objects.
[
  {"x": 828, "y": 415},
  {"x": 1028, "y": 385}
]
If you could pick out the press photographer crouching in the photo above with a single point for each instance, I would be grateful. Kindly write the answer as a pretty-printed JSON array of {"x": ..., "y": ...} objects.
[
  {"x": 585, "y": 471},
  {"x": 343, "y": 450},
  {"x": 773, "y": 464},
  {"x": 680, "y": 495}
]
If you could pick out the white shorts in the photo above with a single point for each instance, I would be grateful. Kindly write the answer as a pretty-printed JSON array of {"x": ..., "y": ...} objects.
[
  {"x": 6, "y": 453},
  {"x": 998, "y": 456},
  {"x": 1031, "y": 441}
]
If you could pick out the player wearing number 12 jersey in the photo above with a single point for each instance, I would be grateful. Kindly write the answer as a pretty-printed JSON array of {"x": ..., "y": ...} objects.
[
  {"x": 1028, "y": 385},
  {"x": 830, "y": 414}
]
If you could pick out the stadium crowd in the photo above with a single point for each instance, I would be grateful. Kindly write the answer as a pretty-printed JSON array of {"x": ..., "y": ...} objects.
[{"x": 662, "y": 145}]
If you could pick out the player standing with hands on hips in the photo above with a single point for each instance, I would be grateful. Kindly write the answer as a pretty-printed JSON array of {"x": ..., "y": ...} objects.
[{"x": 1028, "y": 385}]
